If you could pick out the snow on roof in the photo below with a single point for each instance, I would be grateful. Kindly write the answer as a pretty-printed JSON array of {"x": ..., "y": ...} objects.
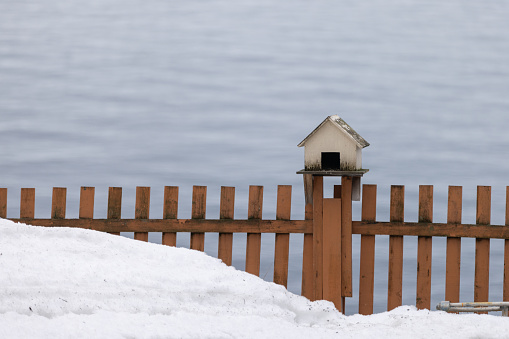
[{"x": 342, "y": 125}]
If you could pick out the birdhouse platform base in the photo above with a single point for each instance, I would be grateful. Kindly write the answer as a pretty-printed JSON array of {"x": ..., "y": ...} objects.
[{"x": 333, "y": 173}]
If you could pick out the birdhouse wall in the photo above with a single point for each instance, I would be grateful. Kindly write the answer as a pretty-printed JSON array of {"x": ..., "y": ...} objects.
[{"x": 329, "y": 138}]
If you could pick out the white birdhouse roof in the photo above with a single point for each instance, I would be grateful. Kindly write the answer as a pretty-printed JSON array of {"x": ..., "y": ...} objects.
[{"x": 342, "y": 126}]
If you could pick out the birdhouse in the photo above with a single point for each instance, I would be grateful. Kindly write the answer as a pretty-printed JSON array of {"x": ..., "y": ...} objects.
[{"x": 334, "y": 149}]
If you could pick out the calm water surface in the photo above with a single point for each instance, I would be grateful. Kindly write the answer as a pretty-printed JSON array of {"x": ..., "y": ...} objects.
[{"x": 154, "y": 93}]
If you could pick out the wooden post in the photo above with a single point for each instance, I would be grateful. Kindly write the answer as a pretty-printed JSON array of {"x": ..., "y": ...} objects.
[
  {"x": 58, "y": 205},
  {"x": 453, "y": 255},
  {"x": 3, "y": 202},
  {"x": 282, "y": 241},
  {"x": 27, "y": 203},
  {"x": 307, "y": 259},
  {"x": 367, "y": 257},
  {"x": 87, "y": 195},
  {"x": 114, "y": 204},
  {"x": 482, "y": 246},
  {"x": 395, "y": 284},
  {"x": 198, "y": 212},
  {"x": 170, "y": 211},
  {"x": 308, "y": 188},
  {"x": 346, "y": 236},
  {"x": 254, "y": 240},
  {"x": 338, "y": 191},
  {"x": 332, "y": 244},
  {"x": 318, "y": 237},
  {"x": 142, "y": 209},
  {"x": 424, "y": 249},
  {"x": 226, "y": 211}
]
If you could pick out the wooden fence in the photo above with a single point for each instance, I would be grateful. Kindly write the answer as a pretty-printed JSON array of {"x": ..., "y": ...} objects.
[
  {"x": 327, "y": 229},
  {"x": 170, "y": 225},
  {"x": 425, "y": 229}
]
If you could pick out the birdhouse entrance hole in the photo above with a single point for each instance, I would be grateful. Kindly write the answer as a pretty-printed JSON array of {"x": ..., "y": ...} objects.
[{"x": 330, "y": 161}]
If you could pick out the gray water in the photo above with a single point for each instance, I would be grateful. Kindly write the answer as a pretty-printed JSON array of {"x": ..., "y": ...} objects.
[{"x": 219, "y": 93}]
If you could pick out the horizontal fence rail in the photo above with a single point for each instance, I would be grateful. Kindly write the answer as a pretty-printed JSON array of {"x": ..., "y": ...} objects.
[
  {"x": 430, "y": 230},
  {"x": 272, "y": 226},
  {"x": 179, "y": 225},
  {"x": 322, "y": 241}
]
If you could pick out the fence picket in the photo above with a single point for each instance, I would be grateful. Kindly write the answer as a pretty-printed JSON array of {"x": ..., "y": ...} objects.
[
  {"x": 424, "y": 250},
  {"x": 58, "y": 204},
  {"x": 332, "y": 243},
  {"x": 482, "y": 246},
  {"x": 3, "y": 202},
  {"x": 367, "y": 256},
  {"x": 317, "y": 237},
  {"x": 87, "y": 203},
  {"x": 198, "y": 211},
  {"x": 170, "y": 211},
  {"x": 346, "y": 236},
  {"x": 338, "y": 191},
  {"x": 395, "y": 283},
  {"x": 453, "y": 254},
  {"x": 282, "y": 241},
  {"x": 307, "y": 258},
  {"x": 226, "y": 211},
  {"x": 114, "y": 204},
  {"x": 27, "y": 203},
  {"x": 142, "y": 210},
  {"x": 506, "y": 249},
  {"x": 254, "y": 240}
]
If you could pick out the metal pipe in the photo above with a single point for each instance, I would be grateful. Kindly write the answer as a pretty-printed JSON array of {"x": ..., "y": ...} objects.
[{"x": 474, "y": 307}]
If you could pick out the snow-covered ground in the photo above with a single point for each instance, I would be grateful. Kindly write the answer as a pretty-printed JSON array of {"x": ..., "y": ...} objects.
[{"x": 73, "y": 283}]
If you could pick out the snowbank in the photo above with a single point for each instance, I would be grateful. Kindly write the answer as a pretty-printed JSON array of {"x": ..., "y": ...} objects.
[{"x": 63, "y": 282}]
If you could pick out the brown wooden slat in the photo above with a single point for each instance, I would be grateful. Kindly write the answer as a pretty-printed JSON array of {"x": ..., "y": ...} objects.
[
  {"x": 170, "y": 211},
  {"x": 482, "y": 246},
  {"x": 308, "y": 189},
  {"x": 3, "y": 202},
  {"x": 338, "y": 191},
  {"x": 346, "y": 236},
  {"x": 226, "y": 211},
  {"x": 254, "y": 240},
  {"x": 395, "y": 284},
  {"x": 180, "y": 225},
  {"x": 307, "y": 258},
  {"x": 367, "y": 256},
  {"x": 332, "y": 271},
  {"x": 199, "y": 212},
  {"x": 274, "y": 226},
  {"x": 424, "y": 250},
  {"x": 142, "y": 209},
  {"x": 58, "y": 204},
  {"x": 282, "y": 242},
  {"x": 317, "y": 237},
  {"x": 430, "y": 230},
  {"x": 506, "y": 249},
  {"x": 87, "y": 195},
  {"x": 27, "y": 203},
  {"x": 453, "y": 256},
  {"x": 114, "y": 204}
]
